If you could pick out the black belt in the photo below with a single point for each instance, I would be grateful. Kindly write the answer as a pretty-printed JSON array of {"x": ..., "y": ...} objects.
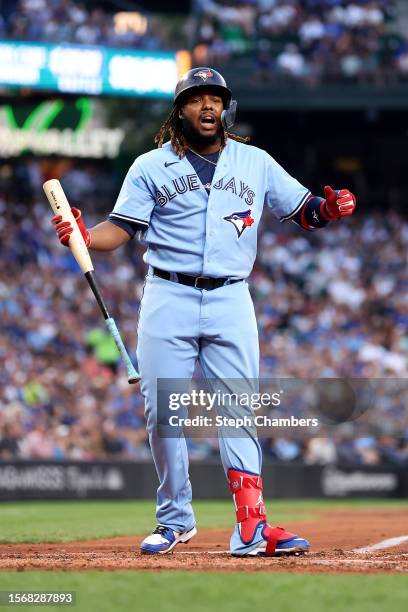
[{"x": 199, "y": 282}]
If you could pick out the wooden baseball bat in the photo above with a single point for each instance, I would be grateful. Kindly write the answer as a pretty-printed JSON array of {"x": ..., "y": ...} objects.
[{"x": 59, "y": 204}]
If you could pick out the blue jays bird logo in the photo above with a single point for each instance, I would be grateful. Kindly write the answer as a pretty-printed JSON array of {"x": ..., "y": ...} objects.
[
  {"x": 204, "y": 74},
  {"x": 240, "y": 220}
]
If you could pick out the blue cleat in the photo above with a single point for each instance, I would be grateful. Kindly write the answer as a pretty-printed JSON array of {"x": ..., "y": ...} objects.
[
  {"x": 163, "y": 539},
  {"x": 269, "y": 542}
]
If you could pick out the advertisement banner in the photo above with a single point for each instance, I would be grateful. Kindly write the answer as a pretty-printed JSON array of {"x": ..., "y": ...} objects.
[
  {"x": 71, "y": 127},
  {"x": 93, "y": 70},
  {"x": 138, "y": 480}
]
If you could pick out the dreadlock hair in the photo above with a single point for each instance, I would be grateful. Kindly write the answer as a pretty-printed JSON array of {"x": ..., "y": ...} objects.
[{"x": 173, "y": 128}]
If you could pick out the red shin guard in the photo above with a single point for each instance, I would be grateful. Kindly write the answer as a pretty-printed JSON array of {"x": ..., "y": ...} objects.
[{"x": 246, "y": 490}]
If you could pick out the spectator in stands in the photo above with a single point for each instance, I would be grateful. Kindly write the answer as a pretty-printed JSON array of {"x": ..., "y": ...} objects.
[
  {"x": 290, "y": 62},
  {"x": 263, "y": 65},
  {"x": 10, "y": 436},
  {"x": 321, "y": 450},
  {"x": 367, "y": 451}
]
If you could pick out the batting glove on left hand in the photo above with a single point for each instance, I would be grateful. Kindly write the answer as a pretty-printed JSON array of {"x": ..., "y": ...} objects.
[{"x": 338, "y": 203}]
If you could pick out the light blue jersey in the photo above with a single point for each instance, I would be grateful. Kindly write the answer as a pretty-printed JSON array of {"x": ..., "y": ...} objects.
[{"x": 192, "y": 232}]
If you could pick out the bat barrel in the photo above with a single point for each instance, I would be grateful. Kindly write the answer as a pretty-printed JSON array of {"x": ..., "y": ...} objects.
[{"x": 60, "y": 205}]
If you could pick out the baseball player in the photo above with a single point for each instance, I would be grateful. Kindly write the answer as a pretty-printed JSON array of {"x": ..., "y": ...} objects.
[{"x": 198, "y": 199}]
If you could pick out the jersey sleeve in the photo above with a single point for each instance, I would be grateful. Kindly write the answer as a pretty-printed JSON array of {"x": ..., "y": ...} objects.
[
  {"x": 130, "y": 228},
  {"x": 284, "y": 195},
  {"x": 135, "y": 201}
]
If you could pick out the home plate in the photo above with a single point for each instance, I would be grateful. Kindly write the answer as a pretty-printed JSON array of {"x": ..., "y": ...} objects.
[{"x": 383, "y": 544}]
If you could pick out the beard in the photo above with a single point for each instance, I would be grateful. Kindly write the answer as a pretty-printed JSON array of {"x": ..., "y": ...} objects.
[{"x": 194, "y": 137}]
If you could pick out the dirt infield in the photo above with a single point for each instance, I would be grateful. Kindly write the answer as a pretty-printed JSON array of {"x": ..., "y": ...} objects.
[{"x": 335, "y": 536}]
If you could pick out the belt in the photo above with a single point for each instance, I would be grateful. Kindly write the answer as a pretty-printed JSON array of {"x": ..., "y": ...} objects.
[{"x": 199, "y": 282}]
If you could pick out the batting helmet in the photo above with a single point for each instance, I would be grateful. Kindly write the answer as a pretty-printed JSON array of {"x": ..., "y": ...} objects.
[
  {"x": 207, "y": 77},
  {"x": 201, "y": 77}
]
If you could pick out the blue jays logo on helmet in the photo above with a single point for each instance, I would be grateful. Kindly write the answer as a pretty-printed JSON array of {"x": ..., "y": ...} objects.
[
  {"x": 240, "y": 220},
  {"x": 204, "y": 74}
]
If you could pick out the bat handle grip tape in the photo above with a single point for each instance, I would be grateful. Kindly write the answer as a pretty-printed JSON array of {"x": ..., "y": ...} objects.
[{"x": 133, "y": 376}]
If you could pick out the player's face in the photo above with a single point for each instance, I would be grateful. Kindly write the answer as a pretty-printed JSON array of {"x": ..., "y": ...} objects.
[{"x": 201, "y": 115}]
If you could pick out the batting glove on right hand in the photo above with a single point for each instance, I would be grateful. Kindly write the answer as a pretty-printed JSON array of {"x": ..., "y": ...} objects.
[{"x": 64, "y": 228}]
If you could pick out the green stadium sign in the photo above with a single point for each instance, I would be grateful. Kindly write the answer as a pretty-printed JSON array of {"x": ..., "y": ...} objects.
[{"x": 68, "y": 127}]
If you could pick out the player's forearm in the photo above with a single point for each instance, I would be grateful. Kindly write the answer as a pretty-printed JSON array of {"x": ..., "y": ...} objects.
[
  {"x": 318, "y": 212},
  {"x": 312, "y": 215},
  {"x": 107, "y": 237}
]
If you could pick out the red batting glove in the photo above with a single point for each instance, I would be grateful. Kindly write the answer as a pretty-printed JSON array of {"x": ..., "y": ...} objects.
[
  {"x": 338, "y": 203},
  {"x": 64, "y": 228}
]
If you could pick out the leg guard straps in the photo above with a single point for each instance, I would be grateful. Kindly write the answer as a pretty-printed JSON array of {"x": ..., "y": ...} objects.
[
  {"x": 247, "y": 494},
  {"x": 272, "y": 535}
]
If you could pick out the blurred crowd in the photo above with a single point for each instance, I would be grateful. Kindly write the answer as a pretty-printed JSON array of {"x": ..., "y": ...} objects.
[
  {"x": 360, "y": 41},
  {"x": 309, "y": 40},
  {"x": 58, "y": 21},
  {"x": 333, "y": 303}
]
